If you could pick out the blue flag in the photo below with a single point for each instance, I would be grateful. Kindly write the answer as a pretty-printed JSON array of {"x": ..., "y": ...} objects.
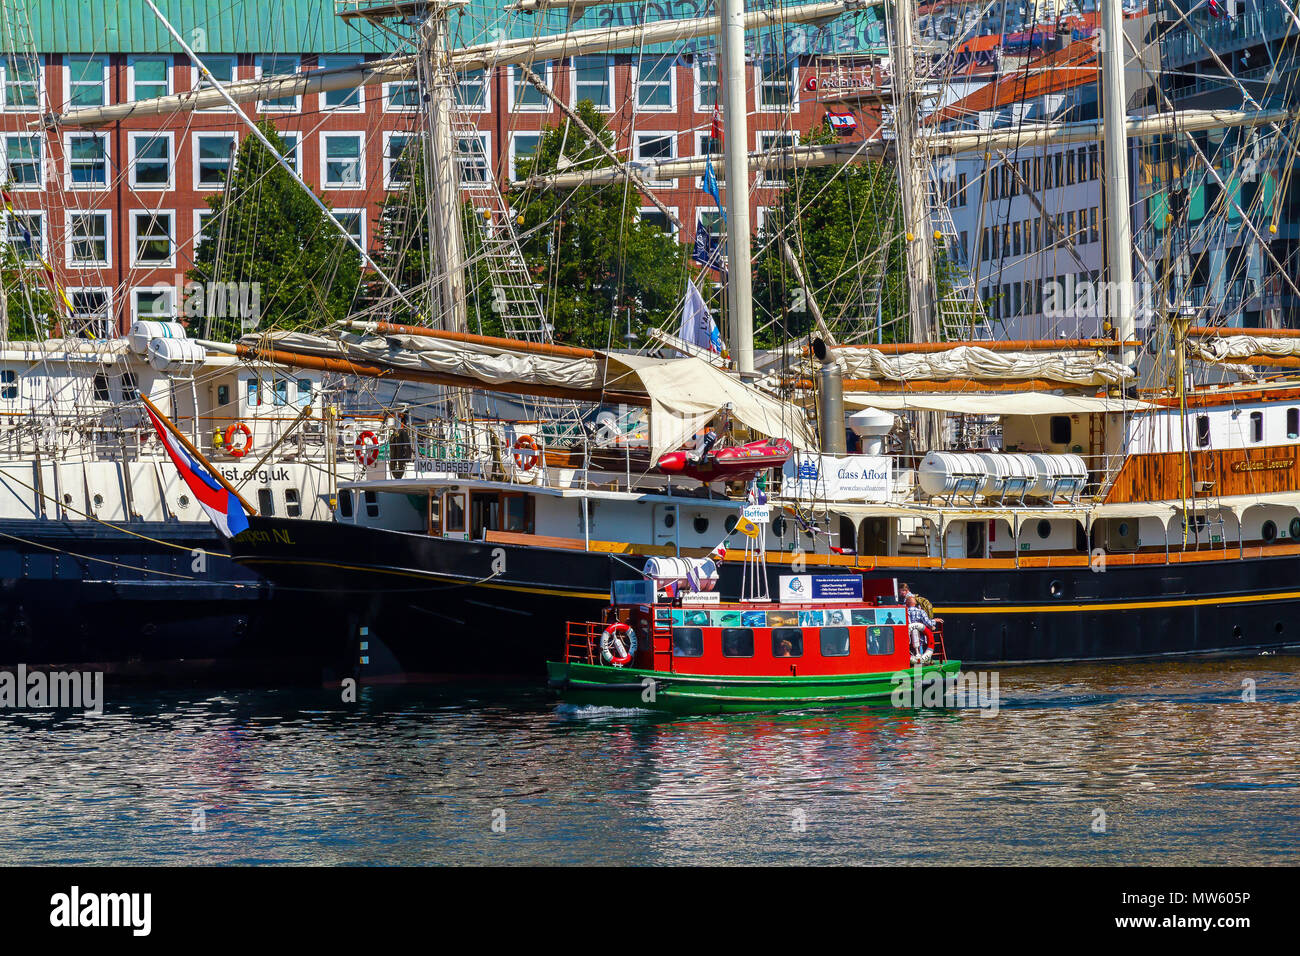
[
  {"x": 710, "y": 185},
  {"x": 707, "y": 253}
]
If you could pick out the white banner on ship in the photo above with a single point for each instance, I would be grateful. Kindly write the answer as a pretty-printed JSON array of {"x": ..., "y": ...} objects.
[{"x": 850, "y": 478}]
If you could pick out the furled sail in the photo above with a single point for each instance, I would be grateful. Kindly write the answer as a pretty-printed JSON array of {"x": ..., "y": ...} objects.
[{"x": 1083, "y": 368}]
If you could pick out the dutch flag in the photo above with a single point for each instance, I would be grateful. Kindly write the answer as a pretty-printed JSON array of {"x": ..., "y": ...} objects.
[{"x": 221, "y": 505}]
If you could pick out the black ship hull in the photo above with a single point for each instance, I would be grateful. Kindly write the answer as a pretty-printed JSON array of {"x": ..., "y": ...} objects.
[
  {"x": 150, "y": 601},
  {"x": 421, "y": 606}
]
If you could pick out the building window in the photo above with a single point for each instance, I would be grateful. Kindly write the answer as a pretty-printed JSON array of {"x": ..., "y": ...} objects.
[
  {"x": 737, "y": 642},
  {"x": 87, "y": 160},
  {"x": 87, "y": 81},
  {"x": 653, "y": 148},
  {"x": 22, "y": 161},
  {"x": 92, "y": 318},
  {"x": 151, "y": 239},
  {"x": 706, "y": 145},
  {"x": 22, "y": 83},
  {"x": 655, "y": 217},
  {"x": 593, "y": 80},
  {"x": 401, "y": 97},
  {"x": 159, "y": 303},
  {"x": 522, "y": 146},
  {"x": 291, "y": 142},
  {"x": 150, "y": 160},
  {"x": 222, "y": 68},
  {"x": 399, "y": 150},
  {"x": 776, "y": 83},
  {"x": 713, "y": 225},
  {"x": 213, "y": 154},
  {"x": 278, "y": 65},
  {"x": 472, "y": 91},
  {"x": 774, "y": 140},
  {"x": 835, "y": 641},
  {"x": 654, "y": 84},
  {"x": 348, "y": 100},
  {"x": 88, "y": 239},
  {"x": 472, "y": 158},
  {"x": 148, "y": 77},
  {"x": 1256, "y": 427},
  {"x": 342, "y": 159},
  {"x": 353, "y": 222},
  {"x": 707, "y": 94},
  {"x": 523, "y": 95},
  {"x": 25, "y": 232}
]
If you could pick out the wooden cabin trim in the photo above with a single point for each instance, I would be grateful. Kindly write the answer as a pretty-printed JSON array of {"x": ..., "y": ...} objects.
[{"x": 1155, "y": 476}]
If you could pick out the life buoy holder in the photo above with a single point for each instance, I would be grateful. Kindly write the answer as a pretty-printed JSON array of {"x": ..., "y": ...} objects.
[
  {"x": 239, "y": 451},
  {"x": 618, "y": 644},
  {"x": 367, "y": 448},
  {"x": 526, "y": 452}
]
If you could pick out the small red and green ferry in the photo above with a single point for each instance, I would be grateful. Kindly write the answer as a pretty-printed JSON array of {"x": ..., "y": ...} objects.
[{"x": 692, "y": 653}]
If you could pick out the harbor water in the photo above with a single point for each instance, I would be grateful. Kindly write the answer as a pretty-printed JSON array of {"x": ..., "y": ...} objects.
[{"x": 1166, "y": 763}]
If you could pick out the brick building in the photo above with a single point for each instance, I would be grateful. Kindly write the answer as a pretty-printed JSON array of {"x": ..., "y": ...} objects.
[{"x": 116, "y": 211}]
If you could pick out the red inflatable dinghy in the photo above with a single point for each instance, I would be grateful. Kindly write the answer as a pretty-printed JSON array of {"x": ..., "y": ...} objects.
[{"x": 728, "y": 464}]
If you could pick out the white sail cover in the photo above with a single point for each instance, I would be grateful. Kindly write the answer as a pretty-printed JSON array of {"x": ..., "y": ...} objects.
[
  {"x": 1227, "y": 348},
  {"x": 1010, "y": 403},
  {"x": 1078, "y": 367}
]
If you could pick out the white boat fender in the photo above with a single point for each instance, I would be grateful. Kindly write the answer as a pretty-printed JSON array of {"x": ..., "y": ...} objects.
[{"x": 617, "y": 644}]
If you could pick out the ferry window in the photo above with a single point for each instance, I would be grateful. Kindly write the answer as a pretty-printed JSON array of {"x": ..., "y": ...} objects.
[
  {"x": 8, "y": 378},
  {"x": 101, "y": 388},
  {"x": 787, "y": 642},
  {"x": 1044, "y": 529},
  {"x": 730, "y": 523},
  {"x": 371, "y": 499},
  {"x": 1202, "y": 431},
  {"x": 345, "y": 504},
  {"x": 737, "y": 642},
  {"x": 880, "y": 640},
  {"x": 688, "y": 642},
  {"x": 292, "y": 504},
  {"x": 1256, "y": 427},
  {"x": 454, "y": 514},
  {"x": 304, "y": 391},
  {"x": 130, "y": 391},
  {"x": 1269, "y": 532},
  {"x": 835, "y": 641},
  {"x": 1060, "y": 429},
  {"x": 265, "y": 501},
  {"x": 435, "y": 514},
  {"x": 223, "y": 394},
  {"x": 778, "y": 526},
  {"x": 281, "y": 387},
  {"x": 1293, "y": 423},
  {"x": 517, "y": 514},
  {"x": 701, "y": 524},
  {"x": 1294, "y": 528},
  {"x": 254, "y": 393}
]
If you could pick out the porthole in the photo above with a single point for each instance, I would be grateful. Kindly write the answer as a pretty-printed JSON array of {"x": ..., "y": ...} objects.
[
  {"x": 1056, "y": 588},
  {"x": 1122, "y": 530},
  {"x": 730, "y": 523},
  {"x": 670, "y": 519},
  {"x": 778, "y": 526},
  {"x": 1295, "y": 527},
  {"x": 1236, "y": 631},
  {"x": 700, "y": 524},
  {"x": 67, "y": 499},
  {"x": 1278, "y": 627},
  {"x": 1269, "y": 532},
  {"x": 99, "y": 501},
  {"x": 1044, "y": 529},
  {"x": 183, "y": 501}
]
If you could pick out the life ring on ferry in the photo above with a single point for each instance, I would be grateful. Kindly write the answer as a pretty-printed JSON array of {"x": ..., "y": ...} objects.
[
  {"x": 237, "y": 429},
  {"x": 526, "y": 452},
  {"x": 613, "y": 650},
  {"x": 367, "y": 448}
]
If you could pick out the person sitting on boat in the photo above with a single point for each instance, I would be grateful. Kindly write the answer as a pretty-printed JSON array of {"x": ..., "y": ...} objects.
[
  {"x": 920, "y": 628},
  {"x": 904, "y": 590}
]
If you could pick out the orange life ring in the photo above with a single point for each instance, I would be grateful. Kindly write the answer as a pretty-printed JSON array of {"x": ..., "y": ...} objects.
[
  {"x": 618, "y": 644},
  {"x": 525, "y": 460},
  {"x": 367, "y": 451},
  {"x": 246, "y": 447}
]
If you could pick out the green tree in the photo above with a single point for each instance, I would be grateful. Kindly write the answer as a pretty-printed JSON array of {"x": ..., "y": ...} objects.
[
  {"x": 845, "y": 225},
  {"x": 27, "y": 301},
  {"x": 267, "y": 231},
  {"x": 589, "y": 247}
]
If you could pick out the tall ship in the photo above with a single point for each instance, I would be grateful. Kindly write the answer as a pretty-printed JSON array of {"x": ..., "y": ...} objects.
[{"x": 1120, "y": 485}]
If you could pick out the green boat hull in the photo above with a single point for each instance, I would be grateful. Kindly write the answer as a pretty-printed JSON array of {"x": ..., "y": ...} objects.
[{"x": 595, "y": 685}]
